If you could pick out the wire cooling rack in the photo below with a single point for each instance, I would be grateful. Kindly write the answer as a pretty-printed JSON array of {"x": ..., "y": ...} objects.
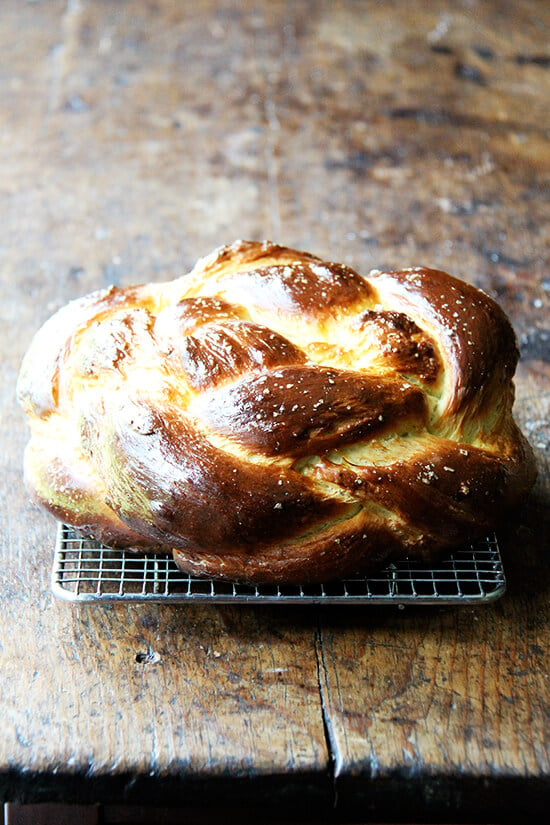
[{"x": 86, "y": 571}]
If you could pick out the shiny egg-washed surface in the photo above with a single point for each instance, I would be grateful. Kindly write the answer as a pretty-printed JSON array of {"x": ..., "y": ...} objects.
[{"x": 272, "y": 417}]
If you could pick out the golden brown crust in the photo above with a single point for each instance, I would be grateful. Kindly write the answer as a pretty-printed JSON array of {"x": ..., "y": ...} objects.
[{"x": 272, "y": 417}]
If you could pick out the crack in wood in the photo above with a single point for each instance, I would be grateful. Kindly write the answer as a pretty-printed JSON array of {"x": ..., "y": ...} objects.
[
  {"x": 63, "y": 53},
  {"x": 334, "y": 762}
]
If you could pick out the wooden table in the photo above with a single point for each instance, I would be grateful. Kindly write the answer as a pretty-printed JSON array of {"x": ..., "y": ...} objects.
[{"x": 139, "y": 136}]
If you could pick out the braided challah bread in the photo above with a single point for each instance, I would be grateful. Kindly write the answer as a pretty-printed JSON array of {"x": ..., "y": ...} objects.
[{"x": 271, "y": 417}]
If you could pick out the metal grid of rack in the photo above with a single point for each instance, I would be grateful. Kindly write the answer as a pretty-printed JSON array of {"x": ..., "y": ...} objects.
[{"x": 86, "y": 571}]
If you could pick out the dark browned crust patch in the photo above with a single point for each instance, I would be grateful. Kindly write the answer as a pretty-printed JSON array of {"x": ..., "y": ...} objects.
[
  {"x": 167, "y": 481},
  {"x": 301, "y": 288},
  {"x": 402, "y": 343},
  {"x": 301, "y": 410},
  {"x": 477, "y": 342}
]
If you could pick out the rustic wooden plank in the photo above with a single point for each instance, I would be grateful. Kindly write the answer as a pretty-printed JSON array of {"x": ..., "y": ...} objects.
[
  {"x": 115, "y": 129},
  {"x": 437, "y": 711}
]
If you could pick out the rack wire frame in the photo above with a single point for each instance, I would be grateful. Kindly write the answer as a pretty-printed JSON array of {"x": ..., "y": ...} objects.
[{"x": 86, "y": 571}]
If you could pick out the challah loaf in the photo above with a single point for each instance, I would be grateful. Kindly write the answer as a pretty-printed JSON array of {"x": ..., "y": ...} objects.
[{"x": 271, "y": 417}]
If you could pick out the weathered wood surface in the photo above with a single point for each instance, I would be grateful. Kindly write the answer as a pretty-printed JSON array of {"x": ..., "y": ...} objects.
[{"x": 139, "y": 136}]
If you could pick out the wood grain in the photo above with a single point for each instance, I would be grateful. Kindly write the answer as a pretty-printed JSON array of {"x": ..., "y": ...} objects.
[
  {"x": 96, "y": 194},
  {"x": 136, "y": 138},
  {"x": 443, "y": 706}
]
